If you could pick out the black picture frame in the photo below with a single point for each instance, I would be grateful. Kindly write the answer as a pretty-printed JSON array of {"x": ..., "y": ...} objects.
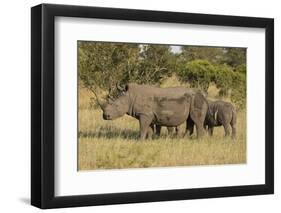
[{"x": 43, "y": 105}]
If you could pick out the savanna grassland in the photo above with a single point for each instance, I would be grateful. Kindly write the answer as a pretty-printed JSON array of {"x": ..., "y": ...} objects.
[
  {"x": 114, "y": 144},
  {"x": 219, "y": 72}
]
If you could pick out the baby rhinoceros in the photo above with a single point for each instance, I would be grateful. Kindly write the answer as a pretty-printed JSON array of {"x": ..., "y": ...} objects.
[{"x": 221, "y": 113}]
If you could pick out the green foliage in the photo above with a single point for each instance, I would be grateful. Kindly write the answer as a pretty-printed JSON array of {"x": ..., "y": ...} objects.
[
  {"x": 238, "y": 95},
  {"x": 241, "y": 68},
  {"x": 154, "y": 64},
  {"x": 211, "y": 54},
  {"x": 198, "y": 73},
  {"x": 103, "y": 65},
  {"x": 234, "y": 56},
  {"x": 223, "y": 78},
  {"x": 201, "y": 73}
]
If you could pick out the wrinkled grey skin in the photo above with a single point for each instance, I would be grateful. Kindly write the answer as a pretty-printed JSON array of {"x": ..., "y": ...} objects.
[
  {"x": 151, "y": 105},
  {"x": 175, "y": 130},
  {"x": 221, "y": 113}
]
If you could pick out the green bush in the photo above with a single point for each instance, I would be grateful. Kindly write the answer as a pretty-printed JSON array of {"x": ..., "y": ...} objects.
[
  {"x": 198, "y": 73},
  {"x": 201, "y": 73},
  {"x": 102, "y": 65}
]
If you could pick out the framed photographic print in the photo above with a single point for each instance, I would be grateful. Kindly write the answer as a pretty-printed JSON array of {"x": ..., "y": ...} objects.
[{"x": 139, "y": 106}]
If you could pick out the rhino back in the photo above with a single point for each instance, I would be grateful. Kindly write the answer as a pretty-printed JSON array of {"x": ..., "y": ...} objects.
[{"x": 148, "y": 90}]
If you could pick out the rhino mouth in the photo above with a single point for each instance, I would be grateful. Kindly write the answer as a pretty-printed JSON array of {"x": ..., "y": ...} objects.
[{"x": 106, "y": 117}]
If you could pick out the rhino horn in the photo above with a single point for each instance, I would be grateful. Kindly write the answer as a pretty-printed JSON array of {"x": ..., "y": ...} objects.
[
  {"x": 110, "y": 99},
  {"x": 101, "y": 104},
  {"x": 216, "y": 115}
]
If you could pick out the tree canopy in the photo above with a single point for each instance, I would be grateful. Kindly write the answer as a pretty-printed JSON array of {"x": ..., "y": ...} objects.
[{"x": 103, "y": 65}]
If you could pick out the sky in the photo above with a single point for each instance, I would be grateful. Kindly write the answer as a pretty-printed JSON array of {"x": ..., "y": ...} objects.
[{"x": 176, "y": 49}]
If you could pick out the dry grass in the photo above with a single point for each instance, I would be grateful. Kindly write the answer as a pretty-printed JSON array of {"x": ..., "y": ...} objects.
[{"x": 114, "y": 144}]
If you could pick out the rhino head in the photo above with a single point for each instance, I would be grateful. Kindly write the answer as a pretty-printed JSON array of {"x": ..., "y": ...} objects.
[{"x": 118, "y": 107}]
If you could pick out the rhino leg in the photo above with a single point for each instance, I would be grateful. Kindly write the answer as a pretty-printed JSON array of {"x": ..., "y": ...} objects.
[
  {"x": 206, "y": 127},
  {"x": 145, "y": 122},
  {"x": 225, "y": 117},
  {"x": 158, "y": 130},
  {"x": 170, "y": 130},
  {"x": 152, "y": 126},
  {"x": 189, "y": 127},
  {"x": 198, "y": 113},
  {"x": 177, "y": 130},
  {"x": 150, "y": 132},
  {"x": 233, "y": 124},
  {"x": 233, "y": 134},
  {"x": 226, "y": 127},
  {"x": 200, "y": 130},
  {"x": 211, "y": 130},
  {"x": 198, "y": 120}
]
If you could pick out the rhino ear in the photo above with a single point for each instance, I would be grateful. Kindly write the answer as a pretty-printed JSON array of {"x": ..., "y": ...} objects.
[{"x": 119, "y": 88}]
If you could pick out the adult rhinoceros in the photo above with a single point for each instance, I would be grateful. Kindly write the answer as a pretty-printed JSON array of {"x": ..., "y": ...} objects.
[{"x": 159, "y": 106}]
